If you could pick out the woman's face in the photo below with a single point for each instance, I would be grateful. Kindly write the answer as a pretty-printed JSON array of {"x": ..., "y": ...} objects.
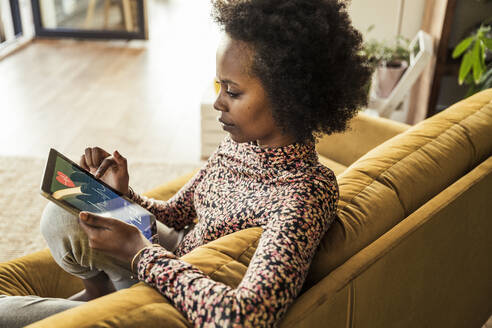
[{"x": 242, "y": 101}]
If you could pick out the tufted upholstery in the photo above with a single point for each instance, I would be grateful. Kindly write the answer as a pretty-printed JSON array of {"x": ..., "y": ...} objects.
[{"x": 394, "y": 179}]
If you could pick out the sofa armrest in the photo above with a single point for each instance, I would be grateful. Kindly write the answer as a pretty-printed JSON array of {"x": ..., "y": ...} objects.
[
  {"x": 37, "y": 274},
  {"x": 364, "y": 133}
]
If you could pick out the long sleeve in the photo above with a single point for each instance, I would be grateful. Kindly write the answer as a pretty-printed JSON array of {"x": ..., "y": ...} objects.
[
  {"x": 273, "y": 279},
  {"x": 179, "y": 211}
]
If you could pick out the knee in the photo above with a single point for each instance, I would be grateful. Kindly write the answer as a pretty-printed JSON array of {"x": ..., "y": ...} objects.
[
  {"x": 57, "y": 223},
  {"x": 65, "y": 238},
  {"x": 62, "y": 232}
]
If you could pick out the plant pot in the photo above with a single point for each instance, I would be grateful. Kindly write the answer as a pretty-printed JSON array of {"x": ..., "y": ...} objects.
[{"x": 387, "y": 77}]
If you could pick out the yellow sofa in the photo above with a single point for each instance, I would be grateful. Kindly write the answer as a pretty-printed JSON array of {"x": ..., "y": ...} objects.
[{"x": 410, "y": 247}]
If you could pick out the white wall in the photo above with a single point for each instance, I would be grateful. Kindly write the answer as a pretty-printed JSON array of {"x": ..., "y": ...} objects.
[{"x": 384, "y": 15}]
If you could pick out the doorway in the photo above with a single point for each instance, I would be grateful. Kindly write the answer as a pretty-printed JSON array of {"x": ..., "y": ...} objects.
[
  {"x": 23, "y": 20},
  {"x": 91, "y": 19}
]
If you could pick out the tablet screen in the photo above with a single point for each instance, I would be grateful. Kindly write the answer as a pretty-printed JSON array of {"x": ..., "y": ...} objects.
[{"x": 72, "y": 186}]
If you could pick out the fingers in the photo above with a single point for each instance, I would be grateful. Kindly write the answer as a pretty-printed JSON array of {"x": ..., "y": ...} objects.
[
  {"x": 107, "y": 234},
  {"x": 116, "y": 159},
  {"x": 104, "y": 166},
  {"x": 83, "y": 163},
  {"x": 120, "y": 159},
  {"x": 98, "y": 155},
  {"x": 94, "y": 221},
  {"x": 88, "y": 157},
  {"x": 93, "y": 231},
  {"x": 97, "y": 158},
  {"x": 94, "y": 156}
]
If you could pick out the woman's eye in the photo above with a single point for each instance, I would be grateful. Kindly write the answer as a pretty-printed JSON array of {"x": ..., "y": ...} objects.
[{"x": 232, "y": 94}]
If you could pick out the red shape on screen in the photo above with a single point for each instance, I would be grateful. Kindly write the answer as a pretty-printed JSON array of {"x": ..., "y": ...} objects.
[{"x": 64, "y": 179}]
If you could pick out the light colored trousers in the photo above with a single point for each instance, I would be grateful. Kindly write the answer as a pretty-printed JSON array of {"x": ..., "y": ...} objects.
[{"x": 70, "y": 248}]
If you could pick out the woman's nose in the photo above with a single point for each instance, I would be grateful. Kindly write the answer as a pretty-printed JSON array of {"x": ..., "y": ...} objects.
[{"x": 218, "y": 105}]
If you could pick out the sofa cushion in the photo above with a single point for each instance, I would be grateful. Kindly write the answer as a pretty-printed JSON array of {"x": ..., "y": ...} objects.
[
  {"x": 397, "y": 177},
  {"x": 226, "y": 259}
]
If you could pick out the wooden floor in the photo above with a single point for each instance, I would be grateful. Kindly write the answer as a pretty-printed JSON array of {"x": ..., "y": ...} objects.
[{"x": 141, "y": 98}]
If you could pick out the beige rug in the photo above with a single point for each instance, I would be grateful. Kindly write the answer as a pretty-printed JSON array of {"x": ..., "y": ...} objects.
[{"x": 21, "y": 204}]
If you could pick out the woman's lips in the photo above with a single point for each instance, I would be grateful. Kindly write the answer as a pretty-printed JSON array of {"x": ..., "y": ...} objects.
[
  {"x": 226, "y": 126},
  {"x": 225, "y": 123}
]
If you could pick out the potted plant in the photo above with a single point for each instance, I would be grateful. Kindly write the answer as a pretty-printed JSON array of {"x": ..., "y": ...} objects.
[
  {"x": 476, "y": 64},
  {"x": 389, "y": 62}
]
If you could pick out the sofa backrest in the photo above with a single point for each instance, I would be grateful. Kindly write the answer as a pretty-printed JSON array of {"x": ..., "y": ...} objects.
[
  {"x": 347, "y": 147},
  {"x": 400, "y": 175}
]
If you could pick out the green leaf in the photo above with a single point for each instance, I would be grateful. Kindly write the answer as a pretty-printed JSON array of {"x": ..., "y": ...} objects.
[
  {"x": 469, "y": 80},
  {"x": 462, "y": 46},
  {"x": 482, "y": 57},
  {"x": 466, "y": 64},
  {"x": 477, "y": 67},
  {"x": 487, "y": 42}
]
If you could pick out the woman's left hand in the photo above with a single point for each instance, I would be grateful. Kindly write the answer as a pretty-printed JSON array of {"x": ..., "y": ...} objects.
[{"x": 115, "y": 237}]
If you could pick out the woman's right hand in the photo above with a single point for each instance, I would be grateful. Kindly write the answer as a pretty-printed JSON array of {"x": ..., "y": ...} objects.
[{"x": 112, "y": 170}]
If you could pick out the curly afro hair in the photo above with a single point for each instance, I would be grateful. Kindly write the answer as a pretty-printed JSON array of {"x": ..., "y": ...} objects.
[{"x": 307, "y": 57}]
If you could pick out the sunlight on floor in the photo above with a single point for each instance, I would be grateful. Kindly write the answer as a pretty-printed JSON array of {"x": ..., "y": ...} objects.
[{"x": 142, "y": 97}]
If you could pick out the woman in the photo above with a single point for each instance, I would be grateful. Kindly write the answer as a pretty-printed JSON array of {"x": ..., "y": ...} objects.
[{"x": 289, "y": 71}]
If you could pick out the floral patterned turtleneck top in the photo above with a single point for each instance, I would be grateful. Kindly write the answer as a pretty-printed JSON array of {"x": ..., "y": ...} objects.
[{"x": 285, "y": 190}]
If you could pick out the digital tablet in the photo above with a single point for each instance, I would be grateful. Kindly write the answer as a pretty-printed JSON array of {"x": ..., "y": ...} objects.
[{"x": 75, "y": 189}]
